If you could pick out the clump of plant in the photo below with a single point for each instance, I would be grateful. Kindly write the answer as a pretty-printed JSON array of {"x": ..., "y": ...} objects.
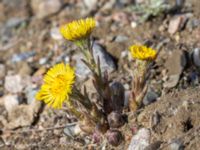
[
  {"x": 150, "y": 8},
  {"x": 102, "y": 117},
  {"x": 143, "y": 56}
]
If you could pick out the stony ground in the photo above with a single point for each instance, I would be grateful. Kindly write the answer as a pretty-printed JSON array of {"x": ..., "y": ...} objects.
[{"x": 30, "y": 43}]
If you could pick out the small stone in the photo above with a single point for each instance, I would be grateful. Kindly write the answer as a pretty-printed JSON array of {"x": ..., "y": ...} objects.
[
  {"x": 126, "y": 98},
  {"x": 72, "y": 130},
  {"x": 121, "y": 17},
  {"x": 45, "y": 8},
  {"x": 30, "y": 94},
  {"x": 121, "y": 38},
  {"x": 63, "y": 140},
  {"x": 55, "y": 34},
  {"x": 193, "y": 23},
  {"x": 2, "y": 71},
  {"x": 24, "y": 68},
  {"x": 90, "y": 4},
  {"x": 10, "y": 101},
  {"x": 193, "y": 78},
  {"x": 43, "y": 61},
  {"x": 133, "y": 24},
  {"x": 126, "y": 86},
  {"x": 124, "y": 54},
  {"x": 22, "y": 56},
  {"x": 141, "y": 140},
  {"x": 154, "y": 146},
  {"x": 13, "y": 83},
  {"x": 14, "y": 22},
  {"x": 122, "y": 3},
  {"x": 176, "y": 145},
  {"x": 108, "y": 5},
  {"x": 150, "y": 97},
  {"x": 176, "y": 23},
  {"x": 195, "y": 57}
]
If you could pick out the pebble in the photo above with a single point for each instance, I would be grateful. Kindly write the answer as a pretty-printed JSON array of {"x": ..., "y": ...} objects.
[
  {"x": 13, "y": 83},
  {"x": 126, "y": 98},
  {"x": 192, "y": 24},
  {"x": 195, "y": 57},
  {"x": 72, "y": 130},
  {"x": 122, "y": 3},
  {"x": 14, "y": 22},
  {"x": 55, "y": 34},
  {"x": 177, "y": 23},
  {"x": 124, "y": 54},
  {"x": 150, "y": 97},
  {"x": 154, "y": 146},
  {"x": 121, "y": 38},
  {"x": 90, "y": 4},
  {"x": 2, "y": 71},
  {"x": 109, "y": 5},
  {"x": 45, "y": 8},
  {"x": 133, "y": 24},
  {"x": 30, "y": 94},
  {"x": 10, "y": 101},
  {"x": 141, "y": 140},
  {"x": 193, "y": 77},
  {"x": 176, "y": 145},
  {"x": 43, "y": 60},
  {"x": 22, "y": 56}
]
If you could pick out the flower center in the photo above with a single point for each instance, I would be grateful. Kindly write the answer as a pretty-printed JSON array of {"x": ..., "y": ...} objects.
[{"x": 59, "y": 85}]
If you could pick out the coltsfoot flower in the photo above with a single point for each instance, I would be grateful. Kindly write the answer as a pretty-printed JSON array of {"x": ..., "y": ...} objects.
[
  {"x": 57, "y": 85},
  {"x": 142, "y": 52},
  {"x": 78, "y": 30}
]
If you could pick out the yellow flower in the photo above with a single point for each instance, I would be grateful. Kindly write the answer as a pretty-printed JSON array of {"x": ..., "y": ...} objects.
[
  {"x": 78, "y": 30},
  {"x": 57, "y": 85},
  {"x": 142, "y": 52}
]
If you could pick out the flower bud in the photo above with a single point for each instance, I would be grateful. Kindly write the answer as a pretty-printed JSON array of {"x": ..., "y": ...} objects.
[
  {"x": 115, "y": 119},
  {"x": 114, "y": 137}
]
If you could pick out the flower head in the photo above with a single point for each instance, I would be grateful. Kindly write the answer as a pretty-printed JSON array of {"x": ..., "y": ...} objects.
[
  {"x": 142, "y": 52},
  {"x": 57, "y": 85},
  {"x": 78, "y": 30}
]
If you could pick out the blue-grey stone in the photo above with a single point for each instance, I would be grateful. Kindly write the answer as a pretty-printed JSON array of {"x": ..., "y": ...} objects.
[{"x": 150, "y": 97}]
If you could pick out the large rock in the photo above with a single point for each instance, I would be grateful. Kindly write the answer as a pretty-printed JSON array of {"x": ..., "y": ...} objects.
[
  {"x": 106, "y": 62},
  {"x": 175, "y": 65}
]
